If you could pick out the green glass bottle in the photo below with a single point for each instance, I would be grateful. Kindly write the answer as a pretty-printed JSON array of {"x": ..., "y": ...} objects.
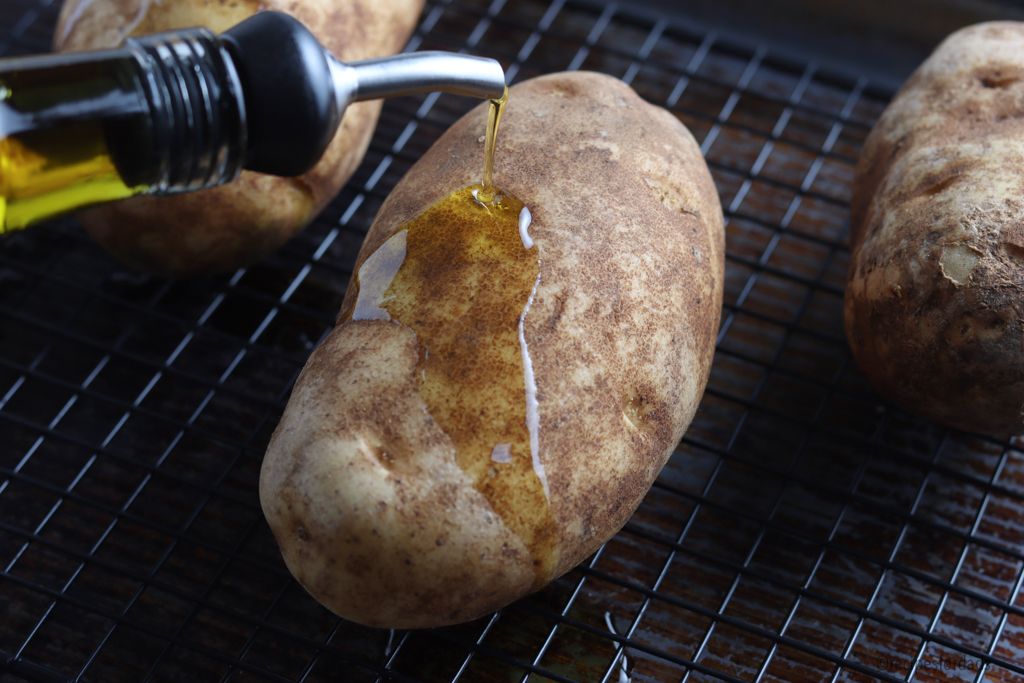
[{"x": 163, "y": 114}]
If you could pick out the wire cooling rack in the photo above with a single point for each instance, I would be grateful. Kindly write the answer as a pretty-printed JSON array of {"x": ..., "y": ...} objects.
[{"x": 804, "y": 530}]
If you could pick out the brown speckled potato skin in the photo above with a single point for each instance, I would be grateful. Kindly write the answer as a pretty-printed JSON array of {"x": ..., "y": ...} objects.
[
  {"x": 631, "y": 241},
  {"x": 234, "y": 225},
  {"x": 934, "y": 308}
]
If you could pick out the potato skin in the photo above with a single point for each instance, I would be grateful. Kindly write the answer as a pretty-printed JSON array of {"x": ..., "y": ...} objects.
[
  {"x": 933, "y": 307},
  {"x": 234, "y": 225},
  {"x": 631, "y": 243}
]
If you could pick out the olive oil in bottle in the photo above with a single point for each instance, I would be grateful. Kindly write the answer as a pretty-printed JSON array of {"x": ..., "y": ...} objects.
[
  {"x": 56, "y": 174},
  {"x": 55, "y": 125}
]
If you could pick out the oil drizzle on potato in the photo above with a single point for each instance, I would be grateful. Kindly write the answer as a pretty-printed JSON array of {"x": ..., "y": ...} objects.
[{"x": 462, "y": 277}]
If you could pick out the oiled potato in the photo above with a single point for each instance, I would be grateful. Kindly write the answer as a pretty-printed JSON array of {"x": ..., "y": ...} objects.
[
  {"x": 934, "y": 301},
  {"x": 236, "y": 224},
  {"x": 377, "y": 512}
]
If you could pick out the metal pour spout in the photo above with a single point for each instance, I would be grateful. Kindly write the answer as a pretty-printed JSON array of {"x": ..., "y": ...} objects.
[{"x": 416, "y": 72}]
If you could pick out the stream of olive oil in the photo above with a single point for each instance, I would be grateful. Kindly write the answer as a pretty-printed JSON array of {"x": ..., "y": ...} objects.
[
  {"x": 462, "y": 275},
  {"x": 495, "y": 109}
]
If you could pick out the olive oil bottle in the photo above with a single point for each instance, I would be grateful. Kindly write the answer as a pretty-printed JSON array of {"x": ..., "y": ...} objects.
[
  {"x": 185, "y": 110},
  {"x": 83, "y": 128},
  {"x": 475, "y": 372}
]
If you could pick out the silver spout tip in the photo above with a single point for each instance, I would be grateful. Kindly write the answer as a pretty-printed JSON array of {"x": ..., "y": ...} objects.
[{"x": 417, "y": 72}]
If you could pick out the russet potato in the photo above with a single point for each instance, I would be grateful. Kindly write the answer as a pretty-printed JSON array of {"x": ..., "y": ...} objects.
[
  {"x": 234, "y": 225},
  {"x": 380, "y": 514},
  {"x": 934, "y": 308}
]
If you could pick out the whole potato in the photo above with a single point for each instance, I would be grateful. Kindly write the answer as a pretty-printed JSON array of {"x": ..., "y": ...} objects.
[
  {"x": 378, "y": 513},
  {"x": 234, "y": 225},
  {"x": 934, "y": 309}
]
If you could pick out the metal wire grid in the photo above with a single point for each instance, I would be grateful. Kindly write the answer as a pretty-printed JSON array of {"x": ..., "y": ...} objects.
[{"x": 803, "y": 531}]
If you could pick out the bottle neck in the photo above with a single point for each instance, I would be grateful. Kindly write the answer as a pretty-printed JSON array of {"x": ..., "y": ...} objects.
[{"x": 197, "y": 109}]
